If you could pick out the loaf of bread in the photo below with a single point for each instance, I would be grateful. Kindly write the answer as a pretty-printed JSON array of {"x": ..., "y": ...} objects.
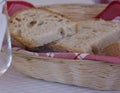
[
  {"x": 39, "y": 26},
  {"x": 92, "y": 37}
]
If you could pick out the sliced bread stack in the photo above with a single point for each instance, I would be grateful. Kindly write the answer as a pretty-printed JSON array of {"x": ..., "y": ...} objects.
[{"x": 50, "y": 31}]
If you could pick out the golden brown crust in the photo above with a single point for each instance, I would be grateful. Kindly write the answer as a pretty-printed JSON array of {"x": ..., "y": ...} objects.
[
  {"x": 60, "y": 47},
  {"x": 21, "y": 41},
  {"x": 112, "y": 49}
]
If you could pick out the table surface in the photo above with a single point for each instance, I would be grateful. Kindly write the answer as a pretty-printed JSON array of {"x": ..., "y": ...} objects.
[{"x": 15, "y": 82}]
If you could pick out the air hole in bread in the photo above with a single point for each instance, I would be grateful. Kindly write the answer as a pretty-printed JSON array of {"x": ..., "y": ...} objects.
[
  {"x": 111, "y": 65},
  {"x": 62, "y": 32},
  {"x": 11, "y": 21},
  {"x": 32, "y": 23},
  {"x": 56, "y": 16},
  {"x": 17, "y": 19},
  {"x": 94, "y": 31},
  {"x": 23, "y": 19},
  {"x": 94, "y": 49}
]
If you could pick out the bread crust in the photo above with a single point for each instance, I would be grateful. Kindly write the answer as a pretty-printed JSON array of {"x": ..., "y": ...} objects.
[
  {"x": 21, "y": 41},
  {"x": 60, "y": 47},
  {"x": 112, "y": 49}
]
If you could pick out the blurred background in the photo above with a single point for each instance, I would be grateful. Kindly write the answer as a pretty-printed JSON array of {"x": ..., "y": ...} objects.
[{"x": 45, "y": 2}]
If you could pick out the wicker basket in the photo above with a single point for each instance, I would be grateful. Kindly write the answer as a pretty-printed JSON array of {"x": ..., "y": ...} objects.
[{"x": 85, "y": 73}]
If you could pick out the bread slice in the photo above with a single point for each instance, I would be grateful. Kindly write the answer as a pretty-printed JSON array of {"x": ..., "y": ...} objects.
[
  {"x": 39, "y": 26},
  {"x": 92, "y": 37}
]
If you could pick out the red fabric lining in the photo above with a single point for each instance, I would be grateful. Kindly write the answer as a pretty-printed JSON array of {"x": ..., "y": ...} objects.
[
  {"x": 14, "y": 6},
  {"x": 111, "y": 11}
]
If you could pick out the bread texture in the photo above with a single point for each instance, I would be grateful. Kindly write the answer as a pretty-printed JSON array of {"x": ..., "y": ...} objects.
[
  {"x": 42, "y": 30},
  {"x": 92, "y": 37},
  {"x": 39, "y": 26},
  {"x": 112, "y": 49}
]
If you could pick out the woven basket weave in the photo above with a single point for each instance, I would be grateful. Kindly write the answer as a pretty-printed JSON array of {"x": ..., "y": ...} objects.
[{"x": 85, "y": 73}]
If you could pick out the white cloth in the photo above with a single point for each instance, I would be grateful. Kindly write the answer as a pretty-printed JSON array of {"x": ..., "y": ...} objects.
[{"x": 14, "y": 82}]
